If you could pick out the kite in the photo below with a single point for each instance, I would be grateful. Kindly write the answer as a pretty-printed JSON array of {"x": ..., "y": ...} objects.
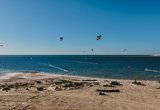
[{"x": 99, "y": 37}]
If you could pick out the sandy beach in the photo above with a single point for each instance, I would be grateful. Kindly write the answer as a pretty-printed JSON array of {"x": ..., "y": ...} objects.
[
  {"x": 79, "y": 54},
  {"x": 39, "y": 91}
]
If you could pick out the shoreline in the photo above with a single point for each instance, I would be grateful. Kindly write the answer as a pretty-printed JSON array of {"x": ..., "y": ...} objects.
[{"x": 51, "y": 75}]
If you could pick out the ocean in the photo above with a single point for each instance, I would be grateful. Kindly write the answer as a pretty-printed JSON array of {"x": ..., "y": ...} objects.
[{"x": 101, "y": 66}]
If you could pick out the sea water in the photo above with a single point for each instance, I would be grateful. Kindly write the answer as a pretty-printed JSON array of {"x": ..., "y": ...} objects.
[{"x": 102, "y": 66}]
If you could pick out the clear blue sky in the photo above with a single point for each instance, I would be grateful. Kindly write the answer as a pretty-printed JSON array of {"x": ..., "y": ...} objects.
[{"x": 34, "y": 26}]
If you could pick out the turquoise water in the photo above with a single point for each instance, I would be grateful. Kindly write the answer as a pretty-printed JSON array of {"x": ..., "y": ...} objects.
[{"x": 119, "y": 67}]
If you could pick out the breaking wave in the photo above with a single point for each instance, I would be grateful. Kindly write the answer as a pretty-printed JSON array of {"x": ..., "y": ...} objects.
[
  {"x": 155, "y": 71},
  {"x": 59, "y": 68}
]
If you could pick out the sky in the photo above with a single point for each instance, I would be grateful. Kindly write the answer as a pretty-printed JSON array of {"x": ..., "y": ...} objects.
[{"x": 34, "y": 27}]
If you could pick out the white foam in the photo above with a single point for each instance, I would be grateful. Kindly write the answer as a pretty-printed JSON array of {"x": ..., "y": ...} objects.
[
  {"x": 59, "y": 68},
  {"x": 152, "y": 70},
  {"x": 8, "y": 75}
]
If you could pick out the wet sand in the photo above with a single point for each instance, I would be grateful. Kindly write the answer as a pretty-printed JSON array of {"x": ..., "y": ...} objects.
[{"x": 38, "y": 91}]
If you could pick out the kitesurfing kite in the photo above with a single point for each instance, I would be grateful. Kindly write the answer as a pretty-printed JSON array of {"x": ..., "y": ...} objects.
[
  {"x": 99, "y": 37},
  {"x": 61, "y": 38}
]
